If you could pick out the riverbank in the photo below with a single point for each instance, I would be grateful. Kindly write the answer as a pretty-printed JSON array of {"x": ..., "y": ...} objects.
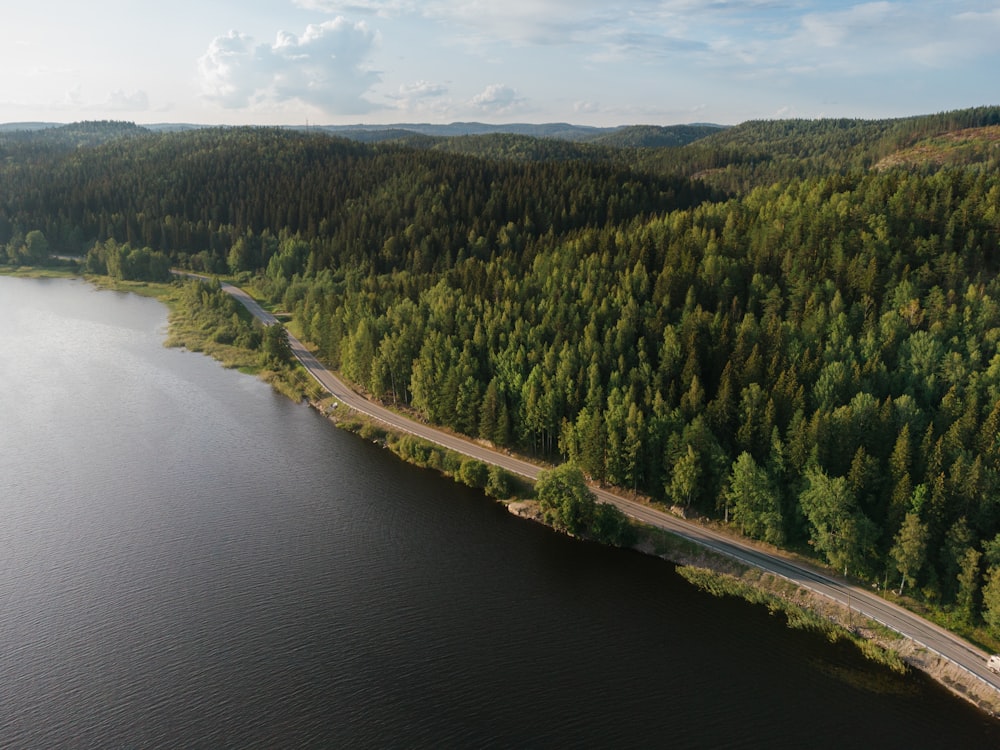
[
  {"x": 721, "y": 576},
  {"x": 803, "y": 610}
]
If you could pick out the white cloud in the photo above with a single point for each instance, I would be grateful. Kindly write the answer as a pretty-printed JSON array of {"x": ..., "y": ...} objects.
[
  {"x": 73, "y": 98},
  {"x": 324, "y": 67},
  {"x": 383, "y": 8},
  {"x": 121, "y": 101},
  {"x": 421, "y": 98},
  {"x": 769, "y": 35},
  {"x": 834, "y": 29},
  {"x": 513, "y": 21},
  {"x": 528, "y": 21},
  {"x": 422, "y": 89},
  {"x": 886, "y": 37},
  {"x": 229, "y": 75},
  {"x": 497, "y": 99},
  {"x": 687, "y": 46}
]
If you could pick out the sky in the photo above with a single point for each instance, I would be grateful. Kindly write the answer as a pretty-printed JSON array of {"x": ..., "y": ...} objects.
[{"x": 586, "y": 62}]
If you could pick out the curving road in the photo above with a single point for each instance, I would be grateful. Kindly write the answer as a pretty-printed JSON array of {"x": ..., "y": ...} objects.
[{"x": 858, "y": 600}]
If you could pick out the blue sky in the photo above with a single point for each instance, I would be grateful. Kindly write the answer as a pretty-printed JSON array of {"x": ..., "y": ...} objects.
[{"x": 582, "y": 61}]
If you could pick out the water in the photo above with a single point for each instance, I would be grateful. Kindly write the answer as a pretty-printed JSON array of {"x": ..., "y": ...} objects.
[{"x": 189, "y": 560}]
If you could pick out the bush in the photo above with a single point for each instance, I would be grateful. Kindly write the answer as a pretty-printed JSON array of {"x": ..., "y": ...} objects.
[
  {"x": 499, "y": 484},
  {"x": 611, "y": 526},
  {"x": 566, "y": 501},
  {"x": 474, "y": 473}
]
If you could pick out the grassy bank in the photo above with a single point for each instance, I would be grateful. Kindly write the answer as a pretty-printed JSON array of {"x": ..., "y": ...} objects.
[
  {"x": 782, "y": 597},
  {"x": 493, "y": 480},
  {"x": 39, "y": 272}
]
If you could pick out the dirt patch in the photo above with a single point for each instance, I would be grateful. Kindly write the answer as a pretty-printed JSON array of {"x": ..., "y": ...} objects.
[{"x": 526, "y": 509}]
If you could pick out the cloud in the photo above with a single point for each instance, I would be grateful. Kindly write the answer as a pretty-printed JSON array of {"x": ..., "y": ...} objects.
[
  {"x": 774, "y": 43},
  {"x": 121, "y": 101},
  {"x": 230, "y": 74},
  {"x": 547, "y": 22},
  {"x": 887, "y": 37},
  {"x": 514, "y": 21},
  {"x": 421, "y": 97},
  {"x": 720, "y": 33},
  {"x": 383, "y": 8},
  {"x": 497, "y": 99},
  {"x": 324, "y": 67},
  {"x": 834, "y": 29},
  {"x": 422, "y": 90}
]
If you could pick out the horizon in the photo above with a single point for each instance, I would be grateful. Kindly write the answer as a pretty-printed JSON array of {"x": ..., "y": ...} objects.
[
  {"x": 454, "y": 123},
  {"x": 585, "y": 62},
  {"x": 362, "y": 125}
]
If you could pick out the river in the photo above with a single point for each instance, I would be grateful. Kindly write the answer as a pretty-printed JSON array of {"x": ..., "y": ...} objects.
[{"x": 190, "y": 560}]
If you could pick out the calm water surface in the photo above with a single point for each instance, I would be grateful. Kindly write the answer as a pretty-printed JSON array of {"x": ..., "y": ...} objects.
[{"x": 188, "y": 560}]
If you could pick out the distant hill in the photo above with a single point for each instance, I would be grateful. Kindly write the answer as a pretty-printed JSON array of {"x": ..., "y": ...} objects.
[
  {"x": 560, "y": 130},
  {"x": 764, "y": 152},
  {"x": 8, "y": 127},
  {"x": 655, "y": 136},
  {"x": 174, "y": 127},
  {"x": 73, "y": 135},
  {"x": 520, "y": 147},
  {"x": 624, "y": 136},
  {"x": 425, "y": 135}
]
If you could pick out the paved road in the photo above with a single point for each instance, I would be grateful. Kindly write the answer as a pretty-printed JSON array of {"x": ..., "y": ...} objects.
[{"x": 859, "y": 600}]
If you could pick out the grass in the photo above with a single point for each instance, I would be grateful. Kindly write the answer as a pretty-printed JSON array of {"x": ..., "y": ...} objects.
[
  {"x": 761, "y": 592},
  {"x": 189, "y": 331},
  {"x": 39, "y": 272}
]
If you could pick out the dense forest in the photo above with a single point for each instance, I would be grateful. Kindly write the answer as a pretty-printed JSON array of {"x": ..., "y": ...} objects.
[{"x": 792, "y": 326}]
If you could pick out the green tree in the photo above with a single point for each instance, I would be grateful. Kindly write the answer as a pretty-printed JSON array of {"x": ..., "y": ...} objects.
[
  {"x": 565, "y": 500},
  {"x": 36, "y": 247},
  {"x": 838, "y": 530},
  {"x": 968, "y": 583},
  {"x": 683, "y": 485},
  {"x": 991, "y": 599},
  {"x": 756, "y": 507},
  {"x": 275, "y": 348},
  {"x": 473, "y": 473},
  {"x": 499, "y": 483},
  {"x": 957, "y": 542},
  {"x": 910, "y": 547},
  {"x": 611, "y": 526}
]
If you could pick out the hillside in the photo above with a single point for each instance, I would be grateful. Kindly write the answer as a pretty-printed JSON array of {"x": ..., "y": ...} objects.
[
  {"x": 73, "y": 135},
  {"x": 953, "y": 148},
  {"x": 764, "y": 152},
  {"x": 792, "y": 327}
]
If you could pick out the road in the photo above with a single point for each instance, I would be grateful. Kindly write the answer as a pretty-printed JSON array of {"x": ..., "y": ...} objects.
[{"x": 859, "y": 600}]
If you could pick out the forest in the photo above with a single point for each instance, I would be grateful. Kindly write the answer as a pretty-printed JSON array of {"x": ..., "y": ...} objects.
[{"x": 791, "y": 327}]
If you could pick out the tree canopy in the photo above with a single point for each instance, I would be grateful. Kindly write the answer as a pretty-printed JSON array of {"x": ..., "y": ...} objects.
[{"x": 792, "y": 326}]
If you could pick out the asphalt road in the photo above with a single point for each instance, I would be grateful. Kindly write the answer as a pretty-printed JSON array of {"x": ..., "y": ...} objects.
[{"x": 859, "y": 600}]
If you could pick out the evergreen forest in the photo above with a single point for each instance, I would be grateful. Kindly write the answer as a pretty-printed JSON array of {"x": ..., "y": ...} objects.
[{"x": 792, "y": 327}]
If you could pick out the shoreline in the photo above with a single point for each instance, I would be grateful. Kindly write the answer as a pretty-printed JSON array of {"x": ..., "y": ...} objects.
[
  {"x": 711, "y": 571},
  {"x": 720, "y": 575}
]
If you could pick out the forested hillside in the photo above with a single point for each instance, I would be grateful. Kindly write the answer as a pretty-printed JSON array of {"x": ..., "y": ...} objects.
[
  {"x": 224, "y": 195},
  {"x": 801, "y": 342}
]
